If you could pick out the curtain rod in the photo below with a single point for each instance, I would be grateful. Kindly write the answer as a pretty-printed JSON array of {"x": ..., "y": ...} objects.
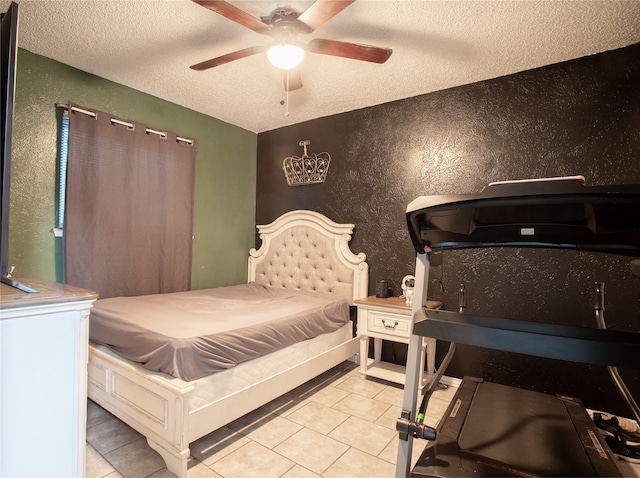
[{"x": 131, "y": 126}]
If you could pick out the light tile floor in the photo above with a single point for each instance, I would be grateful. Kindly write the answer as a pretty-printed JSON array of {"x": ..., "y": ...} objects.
[{"x": 336, "y": 425}]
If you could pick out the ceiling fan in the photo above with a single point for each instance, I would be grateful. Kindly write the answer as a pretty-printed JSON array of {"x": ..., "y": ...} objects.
[{"x": 284, "y": 24}]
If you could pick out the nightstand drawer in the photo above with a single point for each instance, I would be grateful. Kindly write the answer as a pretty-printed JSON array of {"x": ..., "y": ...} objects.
[{"x": 391, "y": 324}]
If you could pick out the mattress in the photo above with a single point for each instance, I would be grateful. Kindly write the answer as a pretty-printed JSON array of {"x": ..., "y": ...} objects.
[
  {"x": 215, "y": 387},
  {"x": 190, "y": 335},
  {"x": 207, "y": 390}
]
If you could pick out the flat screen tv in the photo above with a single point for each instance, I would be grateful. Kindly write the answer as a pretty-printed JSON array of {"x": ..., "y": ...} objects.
[{"x": 9, "y": 33}]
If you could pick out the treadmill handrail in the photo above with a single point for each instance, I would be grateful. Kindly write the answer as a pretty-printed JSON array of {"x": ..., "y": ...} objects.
[{"x": 576, "y": 344}]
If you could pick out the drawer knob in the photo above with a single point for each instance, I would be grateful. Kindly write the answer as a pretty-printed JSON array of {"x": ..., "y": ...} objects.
[{"x": 388, "y": 326}]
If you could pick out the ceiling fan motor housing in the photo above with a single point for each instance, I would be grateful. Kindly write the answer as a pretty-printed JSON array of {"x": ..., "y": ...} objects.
[{"x": 285, "y": 20}]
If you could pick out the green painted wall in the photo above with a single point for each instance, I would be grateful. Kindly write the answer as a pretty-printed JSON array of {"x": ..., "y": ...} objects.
[{"x": 225, "y": 188}]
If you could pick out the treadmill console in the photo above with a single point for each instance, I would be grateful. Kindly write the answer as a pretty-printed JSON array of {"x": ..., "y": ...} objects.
[{"x": 559, "y": 213}]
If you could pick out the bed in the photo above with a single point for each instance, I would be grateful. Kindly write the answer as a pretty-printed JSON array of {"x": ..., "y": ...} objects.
[{"x": 300, "y": 251}]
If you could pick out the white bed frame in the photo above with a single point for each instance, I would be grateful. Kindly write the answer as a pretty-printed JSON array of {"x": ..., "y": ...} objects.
[{"x": 299, "y": 250}]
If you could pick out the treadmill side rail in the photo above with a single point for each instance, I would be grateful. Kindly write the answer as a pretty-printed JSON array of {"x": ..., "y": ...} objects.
[{"x": 577, "y": 344}]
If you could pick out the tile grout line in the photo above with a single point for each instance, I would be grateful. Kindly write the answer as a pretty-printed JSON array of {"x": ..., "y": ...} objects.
[{"x": 342, "y": 380}]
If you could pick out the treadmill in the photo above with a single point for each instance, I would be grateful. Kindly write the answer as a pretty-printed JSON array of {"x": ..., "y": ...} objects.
[{"x": 492, "y": 429}]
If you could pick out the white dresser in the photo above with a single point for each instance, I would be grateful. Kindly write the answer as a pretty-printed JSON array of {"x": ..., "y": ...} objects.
[
  {"x": 43, "y": 380},
  {"x": 390, "y": 319}
]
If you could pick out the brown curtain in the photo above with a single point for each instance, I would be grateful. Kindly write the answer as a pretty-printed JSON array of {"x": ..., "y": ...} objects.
[{"x": 129, "y": 207}]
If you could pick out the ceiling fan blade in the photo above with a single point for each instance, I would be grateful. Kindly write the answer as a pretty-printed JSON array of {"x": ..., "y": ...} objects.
[
  {"x": 221, "y": 60},
  {"x": 353, "y": 51},
  {"x": 234, "y": 13},
  {"x": 321, "y": 11},
  {"x": 292, "y": 79}
]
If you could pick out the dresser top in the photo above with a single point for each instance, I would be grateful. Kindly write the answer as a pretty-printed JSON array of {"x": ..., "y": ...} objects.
[{"x": 48, "y": 293}]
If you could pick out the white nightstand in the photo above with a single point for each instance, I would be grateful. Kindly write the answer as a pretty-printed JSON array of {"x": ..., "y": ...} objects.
[{"x": 390, "y": 319}]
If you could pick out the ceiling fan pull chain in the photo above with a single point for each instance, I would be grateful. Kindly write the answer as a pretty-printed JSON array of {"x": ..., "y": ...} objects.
[{"x": 286, "y": 113}]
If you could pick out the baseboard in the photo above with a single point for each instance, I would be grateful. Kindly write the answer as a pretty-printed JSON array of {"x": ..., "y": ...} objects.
[{"x": 450, "y": 381}]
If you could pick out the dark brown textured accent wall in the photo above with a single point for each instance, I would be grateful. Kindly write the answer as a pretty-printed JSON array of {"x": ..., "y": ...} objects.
[{"x": 576, "y": 117}]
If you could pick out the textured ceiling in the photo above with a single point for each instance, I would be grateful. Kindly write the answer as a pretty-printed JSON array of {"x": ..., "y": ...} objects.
[{"x": 150, "y": 44}]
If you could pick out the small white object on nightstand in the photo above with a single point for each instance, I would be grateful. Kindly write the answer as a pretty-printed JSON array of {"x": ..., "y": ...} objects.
[{"x": 408, "y": 282}]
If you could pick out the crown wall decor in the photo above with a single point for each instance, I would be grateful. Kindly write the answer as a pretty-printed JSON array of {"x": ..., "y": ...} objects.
[{"x": 307, "y": 169}]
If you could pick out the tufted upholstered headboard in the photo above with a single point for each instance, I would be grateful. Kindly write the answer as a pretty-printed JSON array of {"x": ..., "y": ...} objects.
[{"x": 305, "y": 250}]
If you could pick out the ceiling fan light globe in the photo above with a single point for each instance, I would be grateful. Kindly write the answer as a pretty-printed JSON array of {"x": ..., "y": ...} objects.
[{"x": 285, "y": 56}]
